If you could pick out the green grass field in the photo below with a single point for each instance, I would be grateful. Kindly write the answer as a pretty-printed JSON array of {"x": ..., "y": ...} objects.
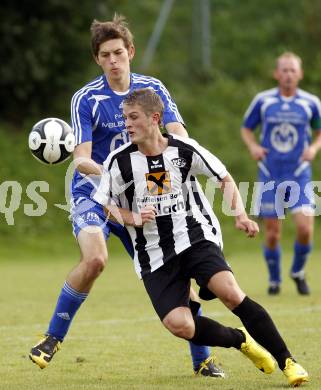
[{"x": 116, "y": 340}]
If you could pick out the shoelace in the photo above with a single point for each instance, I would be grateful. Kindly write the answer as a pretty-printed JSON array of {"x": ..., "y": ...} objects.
[{"x": 207, "y": 362}]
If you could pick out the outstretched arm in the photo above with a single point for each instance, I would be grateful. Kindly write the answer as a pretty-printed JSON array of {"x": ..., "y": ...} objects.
[
  {"x": 83, "y": 161},
  {"x": 232, "y": 196}
]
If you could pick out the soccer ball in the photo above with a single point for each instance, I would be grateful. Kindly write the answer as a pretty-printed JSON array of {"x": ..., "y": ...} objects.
[{"x": 51, "y": 141}]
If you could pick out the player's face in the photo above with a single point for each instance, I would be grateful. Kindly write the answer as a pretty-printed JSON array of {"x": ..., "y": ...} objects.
[
  {"x": 288, "y": 74},
  {"x": 140, "y": 126},
  {"x": 114, "y": 58}
]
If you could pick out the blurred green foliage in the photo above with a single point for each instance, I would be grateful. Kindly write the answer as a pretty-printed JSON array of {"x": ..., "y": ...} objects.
[
  {"x": 42, "y": 44},
  {"x": 45, "y": 51}
]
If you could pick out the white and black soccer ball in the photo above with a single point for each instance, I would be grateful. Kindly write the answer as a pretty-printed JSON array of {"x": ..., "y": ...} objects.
[{"x": 51, "y": 141}]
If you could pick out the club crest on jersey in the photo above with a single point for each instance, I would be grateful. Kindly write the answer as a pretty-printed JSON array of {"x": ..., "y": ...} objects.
[
  {"x": 179, "y": 162},
  {"x": 158, "y": 183},
  {"x": 284, "y": 137}
]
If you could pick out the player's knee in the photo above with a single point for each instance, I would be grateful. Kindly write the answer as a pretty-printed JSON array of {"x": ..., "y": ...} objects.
[
  {"x": 232, "y": 298},
  {"x": 180, "y": 326},
  {"x": 305, "y": 233},
  {"x": 95, "y": 265},
  {"x": 272, "y": 238}
]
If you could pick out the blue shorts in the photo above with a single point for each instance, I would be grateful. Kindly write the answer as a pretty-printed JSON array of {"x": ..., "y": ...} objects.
[
  {"x": 274, "y": 195},
  {"x": 86, "y": 212}
]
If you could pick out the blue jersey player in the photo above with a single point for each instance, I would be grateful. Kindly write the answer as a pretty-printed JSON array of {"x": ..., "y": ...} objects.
[
  {"x": 98, "y": 123},
  {"x": 288, "y": 117}
]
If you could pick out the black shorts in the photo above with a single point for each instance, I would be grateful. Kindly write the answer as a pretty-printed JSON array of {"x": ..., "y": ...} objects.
[{"x": 168, "y": 286}]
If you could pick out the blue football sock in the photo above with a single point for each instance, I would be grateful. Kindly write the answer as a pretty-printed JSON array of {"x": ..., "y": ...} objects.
[
  {"x": 273, "y": 261},
  {"x": 199, "y": 352},
  {"x": 68, "y": 303},
  {"x": 301, "y": 252}
]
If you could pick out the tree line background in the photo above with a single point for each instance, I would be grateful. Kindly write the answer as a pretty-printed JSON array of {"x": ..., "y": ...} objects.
[{"x": 45, "y": 57}]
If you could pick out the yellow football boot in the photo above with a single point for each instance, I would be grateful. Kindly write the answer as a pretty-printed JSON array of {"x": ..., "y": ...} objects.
[
  {"x": 295, "y": 373},
  {"x": 42, "y": 353},
  {"x": 261, "y": 358}
]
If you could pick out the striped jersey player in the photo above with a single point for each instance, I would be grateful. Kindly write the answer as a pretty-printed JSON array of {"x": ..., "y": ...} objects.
[
  {"x": 166, "y": 181},
  {"x": 148, "y": 186}
]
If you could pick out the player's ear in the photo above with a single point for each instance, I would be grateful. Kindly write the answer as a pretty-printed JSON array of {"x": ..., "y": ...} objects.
[
  {"x": 131, "y": 52},
  {"x": 156, "y": 118}
]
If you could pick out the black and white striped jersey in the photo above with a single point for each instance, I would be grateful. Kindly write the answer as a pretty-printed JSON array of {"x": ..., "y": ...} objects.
[{"x": 184, "y": 217}]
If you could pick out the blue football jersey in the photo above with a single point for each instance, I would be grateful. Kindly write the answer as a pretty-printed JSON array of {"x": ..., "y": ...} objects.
[
  {"x": 96, "y": 116},
  {"x": 286, "y": 124}
]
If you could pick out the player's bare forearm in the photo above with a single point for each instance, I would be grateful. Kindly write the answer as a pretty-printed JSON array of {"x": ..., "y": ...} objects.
[
  {"x": 88, "y": 167},
  {"x": 176, "y": 128},
  {"x": 248, "y": 137},
  {"x": 128, "y": 217},
  {"x": 83, "y": 161},
  {"x": 311, "y": 151},
  {"x": 233, "y": 198},
  {"x": 232, "y": 195},
  {"x": 120, "y": 215},
  {"x": 317, "y": 140},
  {"x": 257, "y": 152}
]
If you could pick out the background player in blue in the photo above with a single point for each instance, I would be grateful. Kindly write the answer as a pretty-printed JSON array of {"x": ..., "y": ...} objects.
[
  {"x": 286, "y": 115},
  {"x": 98, "y": 123}
]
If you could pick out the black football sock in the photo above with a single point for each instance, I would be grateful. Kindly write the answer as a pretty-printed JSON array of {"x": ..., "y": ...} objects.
[
  {"x": 211, "y": 333},
  {"x": 260, "y": 326},
  {"x": 194, "y": 306}
]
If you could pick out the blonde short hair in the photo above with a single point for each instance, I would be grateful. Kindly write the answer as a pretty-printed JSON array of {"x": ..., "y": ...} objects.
[
  {"x": 147, "y": 99},
  {"x": 288, "y": 54}
]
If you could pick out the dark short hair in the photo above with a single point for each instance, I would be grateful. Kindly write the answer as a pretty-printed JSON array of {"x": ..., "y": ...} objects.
[
  {"x": 105, "y": 31},
  {"x": 146, "y": 98}
]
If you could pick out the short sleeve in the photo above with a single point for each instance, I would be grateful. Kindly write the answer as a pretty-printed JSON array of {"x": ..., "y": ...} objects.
[
  {"x": 81, "y": 119},
  {"x": 252, "y": 117},
  {"x": 171, "y": 113},
  {"x": 205, "y": 163},
  {"x": 316, "y": 115}
]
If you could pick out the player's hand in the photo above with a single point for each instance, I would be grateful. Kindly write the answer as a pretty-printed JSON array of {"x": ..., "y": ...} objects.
[
  {"x": 147, "y": 214},
  {"x": 250, "y": 227},
  {"x": 258, "y": 152},
  {"x": 309, "y": 153}
]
